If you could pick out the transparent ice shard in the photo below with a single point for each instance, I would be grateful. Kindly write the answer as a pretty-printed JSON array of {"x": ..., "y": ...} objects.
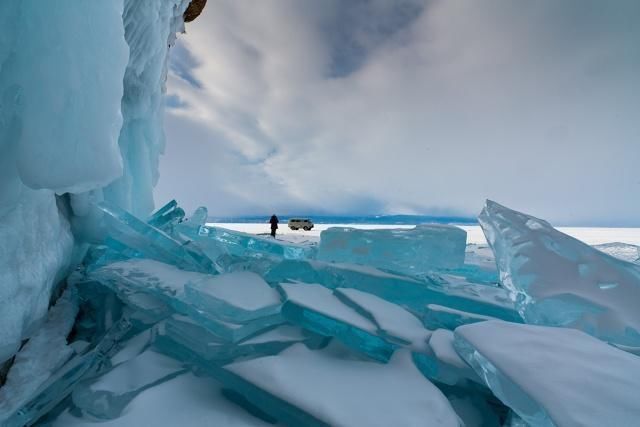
[
  {"x": 343, "y": 392},
  {"x": 44, "y": 353},
  {"x": 406, "y": 291},
  {"x": 152, "y": 242},
  {"x": 393, "y": 322},
  {"x": 553, "y": 376},
  {"x": 237, "y": 297},
  {"x": 167, "y": 216},
  {"x": 557, "y": 280},
  {"x": 413, "y": 251},
  {"x": 315, "y": 308},
  {"x": 437, "y": 317},
  {"x": 108, "y": 395}
]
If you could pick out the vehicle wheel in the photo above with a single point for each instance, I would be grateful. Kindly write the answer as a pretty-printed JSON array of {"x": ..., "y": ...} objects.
[
  {"x": 306, "y": 228},
  {"x": 294, "y": 228}
]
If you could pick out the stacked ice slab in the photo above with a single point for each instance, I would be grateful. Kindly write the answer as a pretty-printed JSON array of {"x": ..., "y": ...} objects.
[
  {"x": 415, "y": 251},
  {"x": 165, "y": 319}
]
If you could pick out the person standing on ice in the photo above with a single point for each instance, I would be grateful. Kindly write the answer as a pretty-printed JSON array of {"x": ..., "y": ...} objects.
[{"x": 274, "y": 225}]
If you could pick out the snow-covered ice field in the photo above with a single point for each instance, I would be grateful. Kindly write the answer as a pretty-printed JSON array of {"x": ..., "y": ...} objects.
[{"x": 589, "y": 235}]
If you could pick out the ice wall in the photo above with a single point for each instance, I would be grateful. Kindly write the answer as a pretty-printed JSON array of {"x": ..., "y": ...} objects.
[{"x": 81, "y": 87}]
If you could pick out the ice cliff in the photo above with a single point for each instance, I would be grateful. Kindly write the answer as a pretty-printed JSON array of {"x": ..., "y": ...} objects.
[{"x": 81, "y": 87}]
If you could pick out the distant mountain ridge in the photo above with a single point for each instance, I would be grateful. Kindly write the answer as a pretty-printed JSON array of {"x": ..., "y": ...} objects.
[{"x": 352, "y": 219}]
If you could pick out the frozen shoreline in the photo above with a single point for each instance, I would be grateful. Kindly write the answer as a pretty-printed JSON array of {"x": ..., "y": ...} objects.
[{"x": 589, "y": 235}]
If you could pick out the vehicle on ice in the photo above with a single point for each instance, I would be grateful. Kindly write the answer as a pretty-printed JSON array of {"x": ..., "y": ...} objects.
[{"x": 298, "y": 223}]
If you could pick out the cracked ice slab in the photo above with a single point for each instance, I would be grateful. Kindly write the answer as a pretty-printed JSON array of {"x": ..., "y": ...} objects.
[
  {"x": 413, "y": 251},
  {"x": 406, "y": 291},
  {"x": 168, "y": 283},
  {"x": 559, "y": 281},
  {"x": 437, "y": 316},
  {"x": 553, "y": 376},
  {"x": 394, "y": 322},
  {"x": 314, "y": 388},
  {"x": 317, "y": 309}
]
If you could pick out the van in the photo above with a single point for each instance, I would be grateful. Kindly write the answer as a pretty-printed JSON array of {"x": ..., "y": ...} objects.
[{"x": 298, "y": 223}]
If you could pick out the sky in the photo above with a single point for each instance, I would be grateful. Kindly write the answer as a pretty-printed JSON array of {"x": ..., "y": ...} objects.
[{"x": 407, "y": 107}]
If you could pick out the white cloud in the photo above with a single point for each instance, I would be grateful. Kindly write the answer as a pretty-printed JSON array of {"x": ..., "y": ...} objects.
[{"x": 409, "y": 108}]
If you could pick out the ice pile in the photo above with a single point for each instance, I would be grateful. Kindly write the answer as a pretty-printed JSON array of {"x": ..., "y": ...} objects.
[{"x": 150, "y": 314}]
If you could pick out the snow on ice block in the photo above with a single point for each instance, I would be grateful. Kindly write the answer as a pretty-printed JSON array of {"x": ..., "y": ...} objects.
[
  {"x": 167, "y": 283},
  {"x": 238, "y": 297},
  {"x": 437, "y": 316},
  {"x": 185, "y": 400},
  {"x": 441, "y": 362},
  {"x": 243, "y": 244},
  {"x": 41, "y": 356},
  {"x": 406, "y": 291},
  {"x": 108, "y": 395},
  {"x": 314, "y": 388},
  {"x": 315, "y": 308},
  {"x": 413, "y": 251},
  {"x": 560, "y": 281},
  {"x": 152, "y": 242},
  {"x": 553, "y": 376},
  {"x": 393, "y": 322}
]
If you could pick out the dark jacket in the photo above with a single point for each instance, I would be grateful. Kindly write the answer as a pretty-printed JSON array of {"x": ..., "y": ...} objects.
[{"x": 274, "y": 222}]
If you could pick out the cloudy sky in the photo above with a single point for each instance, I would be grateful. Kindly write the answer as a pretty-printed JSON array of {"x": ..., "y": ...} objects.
[{"x": 407, "y": 107}]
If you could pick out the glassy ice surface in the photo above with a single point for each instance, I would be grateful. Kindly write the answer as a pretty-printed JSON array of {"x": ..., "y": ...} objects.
[
  {"x": 414, "y": 251},
  {"x": 315, "y": 308},
  {"x": 560, "y": 281},
  {"x": 344, "y": 392},
  {"x": 553, "y": 376}
]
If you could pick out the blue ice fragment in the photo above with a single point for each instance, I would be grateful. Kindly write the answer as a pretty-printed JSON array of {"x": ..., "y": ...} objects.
[
  {"x": 167, "y": 216},
  {"x": 315, "y": 308},
  {"x": 553, "y": 376},
  {"x": 441, "y": 363},
  {"x": 408, "y": 251},
  {"x": 557, "y": 280},
  {"x": 437, "y": 317},
  {"x": 152, "y": 242},
  {"x": 409, "y": 292}
]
